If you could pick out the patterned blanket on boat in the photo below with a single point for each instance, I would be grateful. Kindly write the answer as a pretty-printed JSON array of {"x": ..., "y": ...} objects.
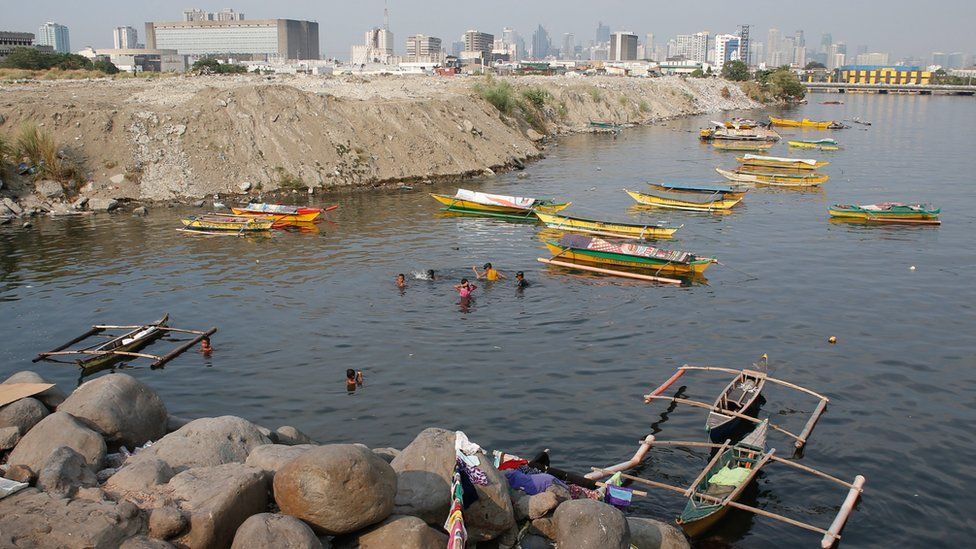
[
  {"x": 626, "y": 248},
  {"x": 889, "y": 206},
  {"x": 807, "y": 161},
  {"x": 495, "y": 199},
  {"x": 272, "y": 208}
]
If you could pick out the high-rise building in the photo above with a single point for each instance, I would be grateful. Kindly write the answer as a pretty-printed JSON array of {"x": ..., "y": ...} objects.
[
  {"x": 377, "y": 47},
  {"x": 225, "y": 14},
  {"x": 457, "y": 48},
  {"x": 774, "y": 47},
  {"x": 826, "y": 40},
  {"x": 11, "y": 40},
  {"x": 623, "y": 46},
  {"x": 540, "y": 43},
  {"x": 726, "y": 49},
  {"x": 423, "y": 49},
  {"x": 940, "y": 58},
  {"x": 602, "y": 33},
  {"x": 256, "y": 38},
  {"x": 876, "y": 58},
  {"x": 691, "y": 46},
  {"x": 477, "y": 45},
  {"x": 196, "y": 15},
  {"x": 568, "y": 50},
  {"x": 514, "y": 43},
  {"x": 956, "y": 60},
  {"x": 861, "y": 49},
  {"x": 124, "y": 38},
  {"x": 228, "y": 14},
  {"x": 800, "y": 56},
  {"x": 799, "y": 41},
  {"x": 54, "y": 35}
]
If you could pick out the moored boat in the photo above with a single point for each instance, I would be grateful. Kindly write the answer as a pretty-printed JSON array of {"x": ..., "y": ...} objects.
[
  {"x": 605, "y": 228},
  {"x": 807, "y": 123},
  {"x": 106, "y": 353},
  {"x": 743, "y": 395},
  {"x": 723, "y": 133},
  {"x": 676, "y": 200},
  {"x": 728, "y": 191},
  {"x": 774, "y": 178},
  {"x": 818, "y": 144},
  {"x": 227, "y": 223},
  {"x": 626, "y": 254},
  {"x": 281, "y": 212},
  {"x": 781, "y": 162},
  {"x": 887, "y": 212},
  {"x": 609, "y": 125},
  {"x": 497, "y": 205},
  {"x": 734, "y": 145}
]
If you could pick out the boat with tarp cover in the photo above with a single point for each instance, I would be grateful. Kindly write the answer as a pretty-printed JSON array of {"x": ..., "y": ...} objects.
[
  {"x": 816, "y": 144},
  {"x": 227, "y": 223},
  {"x": 605, "y": 228},
  {"x": 628, "y": 254},
  {"x": 497, "y": 205},
  {"x": 776, "y": 179},
  {"x": 679, "y": 199},
  {"x": 887, "y": 212},
  {"x": 807, "y": 123},
  {"x": 781, "y": 162},
  {"x": 729, "y": 191},
  {"x": 738, "y": 145},
  {"x": 282, "y": 213}
]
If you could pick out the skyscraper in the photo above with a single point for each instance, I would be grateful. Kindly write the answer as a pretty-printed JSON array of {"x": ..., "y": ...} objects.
[
  {"x": 623, "y": 46},
  {"x": 826, "y": 40},
  {"x": 726, "y": 49},
  {"x": 513, "y": 40},
  {"x": 124, "y": 38},
  {"x": 569, "y": 46},
  {"x": 745, "y": 45},
  {"x": 774, "y": 45},
  {"x": 478, "y": 44},
  {"x": 540, "y": 43},
  {"x": 602, "y": 33},
  {"x": 423, "y": 49},
  {"x": 691, "y": 46},
  {"x": 54, "y": 35}
]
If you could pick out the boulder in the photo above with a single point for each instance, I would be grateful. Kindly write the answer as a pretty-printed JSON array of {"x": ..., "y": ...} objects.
[
  {"x": 386, "y": 453},
  {"x": 49, "y": 189},
  {"x": 103, "y": 204},
  {"x": 22, "y": 414},
  {"x": 120, "y": 407},
  {"x": 64, "y": 472},
  {"x": 166, "y": 522},
  {"x": 140, "y": 476},
  {"x": 244, "y": 186},
  {"x": 140, "y": 210},
  {"x": 9, "y": 436},
  {"x": 143, "y": 542},
  {"x": 337, "y": 488},
  {"x": 20, "y": 473},
  {"x": 174, "y": 423},
  {"x": 31, "y": 518},
  {"x": 532, "y": 541},
  {"x": 52, "y": 398},
  {"x": 424, "y": 472},
  {"x": 534, "y": 135},
  {"x": 292, "y": 436},
  {"x": 206, "y": 442},
  {"x": 117, "y": 179},
  {"x": 271, "y": 457},
  {"x": 590, "y": 524},
  {"x": 58, "y": 429},
  {"x": 534, "y": 506},
  {"x": 274, "y": 530},
  {"x": 648, "y": 533},
  {"x": 197, "y": 203},
  {"x": 80, "y": 203},
  {"x": 15, "y": 208},
  {"x": 400, "y": 531},
  {"x": 217, "y": 500}
]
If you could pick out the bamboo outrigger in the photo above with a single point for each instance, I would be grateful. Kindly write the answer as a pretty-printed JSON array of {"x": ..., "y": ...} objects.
[{"x": 100, "y": 356}]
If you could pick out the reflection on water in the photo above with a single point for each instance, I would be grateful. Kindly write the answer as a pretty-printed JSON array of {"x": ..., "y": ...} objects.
[{"x": 564, "y": 363}]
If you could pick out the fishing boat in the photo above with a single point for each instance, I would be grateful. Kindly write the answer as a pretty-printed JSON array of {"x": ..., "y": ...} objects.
[
  {"x": 780, "y": 162},
  {"x": 282, "y": 213},
  {"x": 728, "y": 191},
  {"x": 831, "y": 102},
  {"x": 626, "y": 254},
  {"x": 807, "y": 123},
  {"x": 742, "y": 395},
  {"x": 857, "y": 120},
  {"x": 605, "y": 228},
  {"x": 497, "y": 205},
  {"x": 608, "y": 125},
  {"x": 108, "y": 352},
  {"x": 887, "y": 212},
  {"x": 774, "y": 179},
  {"x": 227, "y": 223},
  {"x": 819, "y": 144},
  {"x": 735, "y": 145},
  {"x": 691, "y": 201},
  {"x": 722, "y": 133}
]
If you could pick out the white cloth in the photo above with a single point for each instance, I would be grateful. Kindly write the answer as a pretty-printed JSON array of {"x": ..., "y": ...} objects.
[
  {"x": 465, "y": 449},
  {"x": 495, "y": 199},
  {"x": 807, "y": 161},
  {"x": 8, "y": 487}
]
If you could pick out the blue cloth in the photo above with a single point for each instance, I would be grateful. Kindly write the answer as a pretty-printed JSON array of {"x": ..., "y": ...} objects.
[{"x": 531, "y": 484}]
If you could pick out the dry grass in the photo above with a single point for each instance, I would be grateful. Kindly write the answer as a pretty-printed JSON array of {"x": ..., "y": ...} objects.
[
  {"x": 58, "y": 74},
  {"x": 43, "y": 151}
]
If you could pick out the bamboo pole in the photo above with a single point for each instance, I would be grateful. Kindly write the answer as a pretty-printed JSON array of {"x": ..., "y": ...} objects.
[
  {"x": 664, "y": 386},
  {"x": 815, "y": 472},
  {"x": 624, "y": 274},
  {"x": 811, "y": 423},
  {"x": 711, "y": 463},
  {"x": 711, "y": 369},
  {"x": 797, "y": 387},
  {"x": 94, "y": 330},
  {"x": 638, "y": 457},
  {"x": 181, "y": 349},
  {"x": 833, "y": 533},
  {"x": 725, "y": 412},
  {"x": 123, "y": 353}
]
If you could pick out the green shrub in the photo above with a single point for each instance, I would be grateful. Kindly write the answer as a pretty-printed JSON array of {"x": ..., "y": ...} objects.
[
  {"x": 209, "y": 65},
  {"x": 499, "y": 93},
  {"x": 43, "y": 152},
  {"x": 287, "y": 180},
  {"x": 643, "y": 106},
  {"x": 596, "y": 94},
  {"x": 536, "y": 95},
  {"x": 736, "y": 71}
]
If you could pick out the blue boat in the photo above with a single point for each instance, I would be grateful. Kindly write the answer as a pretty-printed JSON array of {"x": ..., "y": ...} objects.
[{"x": 704, "y": 188}]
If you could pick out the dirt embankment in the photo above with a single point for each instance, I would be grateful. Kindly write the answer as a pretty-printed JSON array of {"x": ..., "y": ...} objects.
[{"x": 192, "y": 137}]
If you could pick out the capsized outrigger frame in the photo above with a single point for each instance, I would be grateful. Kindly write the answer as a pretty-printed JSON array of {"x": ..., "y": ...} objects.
[{"x": 799, "y": 439}]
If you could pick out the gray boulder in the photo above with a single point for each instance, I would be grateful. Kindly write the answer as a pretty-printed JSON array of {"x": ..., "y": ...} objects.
[
  {"x": 534, "y": 506},
  {"x": 64, "y": 472},
  {"x": 388, "y": 454},
  {"x": 166, "y": 522},
  {"x": 424, "y": 472},
  {"x": 401, "y": 531},
  {"x": 58, "y": 429},
  {"x": 79, "y": 203},
  {"x": 20, "y": 473},
  {"x": 51, "y": 398},
  {"x": 139, "y": 477},
  {"x": 271, "y": 457},
  {"x": 206, "y": 442},
  {"x": 217, "y": 500},
  {"x": 49, "y": 189},
  {"x": 31, "y": 518},
  {"x": 23, "y": 414},
  {"x": 143, "y": 542},
  {"x": 103, "y": 204},
  {"x": 274, "y": 530},
  {"x": 648, "y": 533},
  {"x": 120, "y": 407},
  {"x": 590, "y": 524},
  {"x": 337, "y": 488},
  {"x": 9, "y": 436},
  {"x": 292, "y": 436}
]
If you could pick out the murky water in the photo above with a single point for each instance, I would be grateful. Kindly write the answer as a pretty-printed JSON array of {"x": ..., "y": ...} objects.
[{"x": 563, "y": 364}]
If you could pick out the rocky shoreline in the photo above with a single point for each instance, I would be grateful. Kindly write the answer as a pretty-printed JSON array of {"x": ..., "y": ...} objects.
[{"x": 107, "y": 466}]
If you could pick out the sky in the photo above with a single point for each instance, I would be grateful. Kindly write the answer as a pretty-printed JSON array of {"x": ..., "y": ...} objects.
[{"x": 899, "y": 27}]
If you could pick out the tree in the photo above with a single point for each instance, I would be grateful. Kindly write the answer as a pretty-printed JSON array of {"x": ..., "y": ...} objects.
[
  {"x": 105, "y": 66},
  {"x": 736, "y": 71},
  {"x": 784, "y": 85},
  {"x": 698, "y": 73},
  {"x": 815, "y": 65},
  {"x": 26, "y": 58}
]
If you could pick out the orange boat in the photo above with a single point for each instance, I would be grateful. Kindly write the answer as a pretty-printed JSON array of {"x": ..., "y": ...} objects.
[{"x": 282, "y": 213}]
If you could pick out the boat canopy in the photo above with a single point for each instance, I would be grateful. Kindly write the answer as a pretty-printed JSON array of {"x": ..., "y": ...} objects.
[
  {"x": 625, "y": 248},
  {"x": 686, "y": 197},
  {"x": 824, "y": 141},
  {"x": 710, "y": 187},
  {"x": 271, "y": 208},
  {"x": 520, "y": 202},
  {"x": 808, "y": 161}
]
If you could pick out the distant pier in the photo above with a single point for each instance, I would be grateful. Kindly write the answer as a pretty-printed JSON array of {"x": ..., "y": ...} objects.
[{"x": 913, "y": 89}]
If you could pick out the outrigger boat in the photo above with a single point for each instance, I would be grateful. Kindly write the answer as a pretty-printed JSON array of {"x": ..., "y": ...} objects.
[
  {"x": 781, "y": 162},
  {"x": 605, "y": 228},
  {"x": 227, "y": 223},
  {"x": 282, "y": 213},
  {"x": 807, "y": 123},
  {"x": 626, "y": 254},
  {"x": 887, "y": 212},
  {"x": 497, "y": 205},
  {"x": 93, "y": 358},
  {"x": 609, "y": 125},
  {"x": 819, "y": 144},
  {"x": 704, "y": 200},
  {"x": 734, "y": 145},
  {"x": 721, "y": 132},
  {"x": 773, "y": 178}
]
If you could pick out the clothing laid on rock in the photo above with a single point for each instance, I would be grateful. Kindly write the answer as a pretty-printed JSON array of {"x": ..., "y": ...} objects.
[{"x": 531, "y": 483}]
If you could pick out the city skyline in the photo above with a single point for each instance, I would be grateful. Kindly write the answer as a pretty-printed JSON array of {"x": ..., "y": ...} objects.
[{"x": 92, "y": 25}]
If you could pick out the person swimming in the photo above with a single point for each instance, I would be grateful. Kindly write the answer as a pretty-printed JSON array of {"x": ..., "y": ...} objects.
[
  {"x": 520, "y": 281},
  {"x": 431, "y": 275},
  {"x": 205, "y": 347},
  {"x": 465, "y": 288},
  {"x": 401, "y": 281},
  {"x": 354, "y": 378},
  {"x": 489, "y": 274}
]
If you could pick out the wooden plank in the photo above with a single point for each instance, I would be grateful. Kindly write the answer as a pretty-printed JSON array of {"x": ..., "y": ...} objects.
[
  {"x": 664, "y": 386},
  {"x": 718, "y": 455},
  {"x": 101, "y": 353},
  {"x": 833, "y": 533},
  {"x": 94, "y": 330},
  {"x": 811, "y": 423},
  {"x": 182, "y": 348},
  {"x": 725, "y": 412},
  {"x": 11, "y": 392},
  {"x": 624, "y": 274}
]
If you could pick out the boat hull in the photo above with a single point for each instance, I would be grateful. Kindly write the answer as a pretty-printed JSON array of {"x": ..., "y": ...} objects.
[
  {"x": 814, "y": 146},
  {"x": 865, "y": 215},
  {"x": 774, "y": 180},
  {"x": 734, "y": 145},
  {"x": 102, "y": 362},
  {"x": 466, "y": 206},
  {"x": 795, "y": 165},
  {"x": 635, "y": 262},
  {"x": 228, "y": 223},
  {"x": 591, "y": 226},
  {"x": 305, "y": 217},
  {"x": 805, "y": 123},
  {"x": 726, "y": 202}
]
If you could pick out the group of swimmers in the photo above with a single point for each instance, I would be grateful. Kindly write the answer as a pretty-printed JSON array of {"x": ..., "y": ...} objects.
[{"x": 465, "y": 288}]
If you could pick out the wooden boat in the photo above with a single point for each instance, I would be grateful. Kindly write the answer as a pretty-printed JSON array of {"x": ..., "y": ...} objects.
[
  {"x": 780, "y": 162},
  {"x": 229, "y": 223},
  {"x": 821, "y": 144},
  {"x": 774, "y": 179},
  {"x": 282, "y": 213},
  {"x": 605, "y": 228},
  {"x": 497, "y": 205},
  {"x": 831, "y": 102},
  {"x": 807, "y": 123},
  {"x": 699, "y": 202},
  {"x": 625, "y": 254},
  {"x": 742, "y": 395},
  {"x": 752, "y": 134},
  {"x": 608, "y": 125},
  {"x": 734, "y": 145},
  {"x": 728, "y": 191},
  {"x": 887, "y": 212}
]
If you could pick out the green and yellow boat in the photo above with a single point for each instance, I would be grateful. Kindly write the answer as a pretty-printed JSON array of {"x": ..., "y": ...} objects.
[
  {"x": 779, "y": 162},
  {"x": 497, "y": 205},
  {"x": 735, "y": 145},
  {"x": 775, "y": 179},
  {"x": 678, "y": 199},
  {"x": 887, "y": 212},
  {"x": 598, "y": 251},
  {"x": 825, "y": 144},
  {"x": 227, "y": 223},
  {"x": 605, "y": 228}
]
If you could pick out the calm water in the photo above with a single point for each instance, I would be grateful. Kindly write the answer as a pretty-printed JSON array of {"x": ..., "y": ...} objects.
[{"x": 563, "y": 364}]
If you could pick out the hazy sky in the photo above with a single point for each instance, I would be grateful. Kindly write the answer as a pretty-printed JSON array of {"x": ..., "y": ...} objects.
[{"x": 900, "y": 27}]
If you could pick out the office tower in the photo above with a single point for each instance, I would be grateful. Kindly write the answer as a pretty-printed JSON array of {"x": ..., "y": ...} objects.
[
  {"x": 54, "y": 35},
  {"x": 826, "y": 40},
  {"x": 569, "y": 46},
  {"x": 478, "y": 45},
  {"x": 258, "y": 38},
  {"x": 540, "y": 43},
  {"x": 726, "y": 49},
  {"x": 745, "y": 45},
  {"x": 423, "y": 49},
  {"x": 774, "y": 47},
  {"x": 124, "y": 38},
  {"x": 602, "y": 33},
  {"x": 623, "y": 46}
]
